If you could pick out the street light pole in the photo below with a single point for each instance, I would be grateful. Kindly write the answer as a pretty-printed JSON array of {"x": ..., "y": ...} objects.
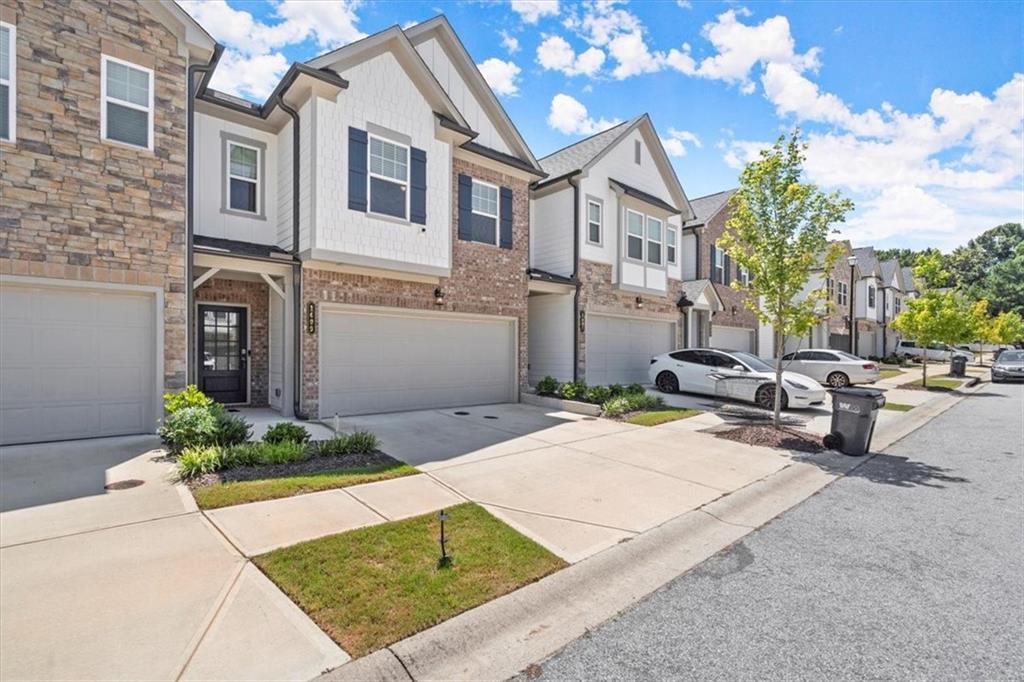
[{"x": 852, "y": 260}]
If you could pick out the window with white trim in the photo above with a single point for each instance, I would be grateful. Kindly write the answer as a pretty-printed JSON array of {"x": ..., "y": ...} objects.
[
  {"x": 718, "y": 265},
  {"x": 389, "y": 177},
  {"x": 634, "y": 235},
  {"x": 654, "y": 241},
  {"x": 897, "y": 304},
  {"x": 830, "y": 286},
  {"x": 842, "y": 291},
  {"x": 485, "y": 212},
  {"x": 670, "y": 245},
  {"x": 595, "y": 215},
  {"x": 127, "y": 103},
  {"x": 243, "y": 178},
  {"x": 8, "y": 77},
  {"x": 743, "y": 274}
]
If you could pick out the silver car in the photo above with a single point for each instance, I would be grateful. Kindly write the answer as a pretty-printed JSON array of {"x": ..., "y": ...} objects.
[
  {"x": 832, "y": 367},
  {"x": 1009, "y": 366}
]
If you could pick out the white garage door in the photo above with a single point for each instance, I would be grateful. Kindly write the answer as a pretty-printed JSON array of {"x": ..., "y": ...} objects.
[
  {"x": 732, "y": 338},
  {"x": 388, "y": 362},
  {"x": 619, "y": 349},
  {"x": 75, "y": 363}
]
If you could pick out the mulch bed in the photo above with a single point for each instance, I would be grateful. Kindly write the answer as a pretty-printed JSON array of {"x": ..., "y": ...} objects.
[
  {"x": 769, "y": 436},
  {"x": 313, "y": 465}
]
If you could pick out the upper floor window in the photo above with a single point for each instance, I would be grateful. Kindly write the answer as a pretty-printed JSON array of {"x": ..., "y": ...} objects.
[
  {"x": 842, "y": 292},
  {"x": 871, "y": 296},
  {"x": 654, "y": 241},
  {"x": 897, "y": 304},
  {"x": 830, "y": 285},
  {"x": 634, "y": 235},
  {"x": 743, "y": 274},
  {"x": 718, "y": 265},
  {"x": 8, "y": 74},
  {"x": 594, "y": 221},
  {"x": 485, "y": 212},
  {"x": 243, "y": 177},
  {"x": 670, "y": 245},
  {"x": 127, "y": 103},
  {"x": 389, "y": 177}
]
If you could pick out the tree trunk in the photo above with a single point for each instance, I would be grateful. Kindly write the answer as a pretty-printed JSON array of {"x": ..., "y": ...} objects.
[
  {"x": 981, "y": 353},
  {"x": 924, "y": 369},
  {"x": 779, "y": 352}
]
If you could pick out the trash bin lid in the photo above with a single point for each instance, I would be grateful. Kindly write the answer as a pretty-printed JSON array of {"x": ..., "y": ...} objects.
[{"x": 859, "y": 392}]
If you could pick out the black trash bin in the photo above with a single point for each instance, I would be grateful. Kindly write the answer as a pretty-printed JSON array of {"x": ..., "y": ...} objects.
[
  {"x": 958, "y": 366},
  {"x": 854, "y": 411}
]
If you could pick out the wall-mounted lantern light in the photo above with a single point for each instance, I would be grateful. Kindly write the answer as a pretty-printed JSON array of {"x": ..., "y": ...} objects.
[
  {"x": 734, "y": 310},
  {"x": 583, "y": 321},
  {"x": 438, "y": 296},
  {"x": 311, "y": 318},
  {"x": 639, "y": 302}
]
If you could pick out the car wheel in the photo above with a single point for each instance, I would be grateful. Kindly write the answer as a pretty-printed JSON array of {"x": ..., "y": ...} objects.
[
  {"x": 765, "y": 398},
  {"x": 838, "y": 380},
  {"x": 667, "y": 382}
]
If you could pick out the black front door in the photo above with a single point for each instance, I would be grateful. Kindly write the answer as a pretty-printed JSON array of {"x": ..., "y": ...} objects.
[{"x": 223, "y": 353}]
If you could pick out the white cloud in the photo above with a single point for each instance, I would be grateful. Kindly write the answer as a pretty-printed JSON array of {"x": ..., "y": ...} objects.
[
  {"x": 675, "y": 143},
  {"x": 555, "y": 54},
  {"x": 633, "y": 56},
  {"x": 570, "y": 117},
  {"x": 249, "y": 76},
  {"x": 684, "y": 4},
  {"x": 502, "y": 76},
  {"x": 530, "y": 11},
  {"x": 509, "y": 42},
  {"x": 902, "y": 209}
]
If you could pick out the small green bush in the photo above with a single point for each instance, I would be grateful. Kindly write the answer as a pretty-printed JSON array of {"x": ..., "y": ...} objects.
[
  {"x": 231, "y": 429},
  {"x": 286, "y": 432},
  {"x": 189, "y": 427},
  {"x": 359, "y": 442},
  {"x": 282, "y": 452},
  {"x": 572, "y": 391},
  {"x": 635, "y": 389},
  {"x": 615, "y": 390},
  {"x": 196, "y": 461},
  {"x": 547, "y": 386},
  {"x": 243, "y": 454},
  {"x": 597, "y": 395},
  {"x": 362, "y": 442},
  {"x": 190, "y": 397},
  {"x": 633, "y": 402}
]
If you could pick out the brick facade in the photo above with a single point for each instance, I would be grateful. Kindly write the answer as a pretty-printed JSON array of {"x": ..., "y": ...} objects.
[
  {"x": 599, "y": 295},
  {"x": 485, "y": 280},
  {"x": 731, "y": 298},
  {"x": 75, "y": 207},
  {"x": 256, "y": 296},
  {"x": 839, "y": 318}
]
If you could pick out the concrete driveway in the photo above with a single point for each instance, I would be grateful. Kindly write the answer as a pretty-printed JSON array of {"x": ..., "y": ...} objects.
[
  {"x": 134, "y": 583},
  {"x": 575, "y": 484}
]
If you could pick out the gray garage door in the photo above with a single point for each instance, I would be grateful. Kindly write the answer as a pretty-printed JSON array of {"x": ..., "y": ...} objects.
[
  {"x": 388, "y": 362},
  {"x": 75, "y": 363},
  {"x": 619, "y": 349},
  {"x": 732, "y": 338}
]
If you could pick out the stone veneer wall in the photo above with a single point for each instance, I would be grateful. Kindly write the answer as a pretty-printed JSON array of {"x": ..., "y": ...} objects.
[
  {"x": 74, "y": 207},
  {"x": 485, "y": 280},
  {"x": 599, "y": 295},
  {"x": 744, "y": 316},
  {"x": 839, "y": 319},
  {"x": 255, "y": 295}
]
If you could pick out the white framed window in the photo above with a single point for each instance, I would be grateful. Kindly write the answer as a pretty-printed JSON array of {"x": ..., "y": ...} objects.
[
  {"x": 388, "y": 178},
  {"x": 841, "y": 293},
  {"x": 8, "y": 80},
  {"x": 718, "y": 265},
  {"x": 654, "y": 241},
  {"x": 243, "y": 178},
  {"x": 670, "y": 245},
  {"x": 830, "y": 287},
  {"x": 126, "y": 94},
  {"x": 485, "y": 203},
  {"x": 897, "y": 304},
  {"x": 595, "y": 221},
  {"x": 743, "y": 275},
  {"x": 634, "y": 235}
]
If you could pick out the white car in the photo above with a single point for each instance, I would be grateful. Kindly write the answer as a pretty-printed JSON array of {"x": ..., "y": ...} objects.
[
  {"x": 832, "y": 367},
  {"x": 936, "y": 352},
  {"x": 731, "y": 374}
]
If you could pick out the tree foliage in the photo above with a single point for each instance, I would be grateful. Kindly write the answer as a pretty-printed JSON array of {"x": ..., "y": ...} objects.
[
  {"x": 779, "y": 231},
  {"x": 1005, "y": 328}
]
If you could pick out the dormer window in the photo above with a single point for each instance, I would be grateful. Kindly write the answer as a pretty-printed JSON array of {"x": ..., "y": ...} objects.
[{"x": 389, "y": 177}]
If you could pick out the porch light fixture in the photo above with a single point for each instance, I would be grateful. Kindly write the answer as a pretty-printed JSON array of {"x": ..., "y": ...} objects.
[
  {"x": 438, "y": 296},
  {"x": 639, "y": 302},
  {"x": 683, "y": 303},
  {"x": 311, "y": 318},
  {"x": 734, "y": 310}
]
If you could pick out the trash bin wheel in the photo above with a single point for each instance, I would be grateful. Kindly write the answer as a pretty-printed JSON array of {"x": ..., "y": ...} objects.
[{"x": 832, "y": 441}]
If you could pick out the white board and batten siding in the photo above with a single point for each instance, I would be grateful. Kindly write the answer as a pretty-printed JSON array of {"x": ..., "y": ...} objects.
[
  {"x": 550, "y": 334},
  {"x": 551, "y": 225},
  {"x": 619, "y": 349},
  {"x": 77, "y": 362},
  {"x": 381, "y": 360}
]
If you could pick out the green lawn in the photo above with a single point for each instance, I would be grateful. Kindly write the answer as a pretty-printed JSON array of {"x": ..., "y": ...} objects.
[
  {"x": 886, "y": 373},
  {"x": 942, "y": 382},
  {"x": 239, "y": 492},
  {"x": 371, "y": 587},
  {"x": 655, "y": 417},
  {"x": 898, "y": 407}
]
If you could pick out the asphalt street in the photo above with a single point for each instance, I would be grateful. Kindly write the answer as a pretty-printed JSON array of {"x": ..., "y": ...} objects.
[{"x": 911, "y": 567}]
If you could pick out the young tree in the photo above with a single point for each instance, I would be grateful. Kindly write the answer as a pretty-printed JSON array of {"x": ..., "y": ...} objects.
[
  {"x": 779, "y": 231},
  {"x": 1006, "y": 328}
]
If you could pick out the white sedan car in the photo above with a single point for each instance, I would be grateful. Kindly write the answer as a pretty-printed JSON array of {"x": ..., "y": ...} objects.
[
  {"x": 731, "y": 374},
  {"x": 832, "y": 367}
]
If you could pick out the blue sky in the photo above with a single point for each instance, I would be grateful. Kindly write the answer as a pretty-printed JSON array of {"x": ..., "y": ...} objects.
[{"x": 914, "y": 110}]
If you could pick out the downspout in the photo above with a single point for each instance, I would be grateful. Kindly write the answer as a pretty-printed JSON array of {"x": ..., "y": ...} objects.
[
  {"x": 296, "y": 266},
  {"x": 190, "y": 298},
  {"x": 575, "y": 277},
  {"x": 885, "y": 320}
]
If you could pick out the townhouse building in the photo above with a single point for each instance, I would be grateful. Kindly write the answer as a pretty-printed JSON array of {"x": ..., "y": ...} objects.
[{"x": 881, "y": 289}]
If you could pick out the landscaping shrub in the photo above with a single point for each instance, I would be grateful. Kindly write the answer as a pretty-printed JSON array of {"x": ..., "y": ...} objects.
[
  {"x": 632, "y": 402},
  {"x": 286, "y": 432},
  {"x": 243, "y": 454},
  {"x": 360, "y": 442},
  {"x": 282, "y": 452},
  {"x": 189, "y": 427},
  {"x": 190, "y": 397},
  {"x": 635, "y": 389},
  {"x": 196, "y": 461},
  {"x": 547, "y": 386},
  {"x": 597, "y": 395},
  {"x": 572, "y": 391},
  {"x": 615, "y": 390},
  {"x": 231, "y": 429}
]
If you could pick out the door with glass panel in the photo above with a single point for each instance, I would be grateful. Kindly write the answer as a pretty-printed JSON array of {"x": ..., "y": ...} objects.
[{"x": 223, "y": 353}]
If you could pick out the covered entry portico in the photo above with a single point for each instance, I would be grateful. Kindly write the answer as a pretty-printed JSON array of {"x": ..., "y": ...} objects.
[
  {"x": 241, "y": 351},
  {"x": 699, "y": 303}
]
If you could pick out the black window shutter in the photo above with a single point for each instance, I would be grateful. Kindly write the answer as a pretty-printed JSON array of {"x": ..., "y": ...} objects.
[
  {"x": 727, "y": 262},
  {"x": 506, "y": 218},
  {"x": 357, "y": 149},
  {"x": 714, "y": 270},
  {"x": 465, "y": 207},
  {"x": 418, "y": 184}
]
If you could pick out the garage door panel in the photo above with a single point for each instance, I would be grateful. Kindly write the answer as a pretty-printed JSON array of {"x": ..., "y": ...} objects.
[
  {"x": 732, "y": 338},
  {"x": 122, "y": 345},
  {"x": 382, "y": 362},
  {"x": 17, "y": 342},
  {"x": 120, "y": 416},
  {"x": 60, "y": 308},
  {"x": 619, "y": 349}
]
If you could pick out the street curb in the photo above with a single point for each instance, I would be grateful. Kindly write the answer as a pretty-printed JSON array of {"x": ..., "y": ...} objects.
[{"x": 499, "y": 639}]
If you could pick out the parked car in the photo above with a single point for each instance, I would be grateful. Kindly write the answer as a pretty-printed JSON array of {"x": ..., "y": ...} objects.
[
  {"x": 731, "y": 374},
  {"x": 832, "y": 367},
  {"x": 940, "y": 352},
  {"x": 1008, "y": 367}
]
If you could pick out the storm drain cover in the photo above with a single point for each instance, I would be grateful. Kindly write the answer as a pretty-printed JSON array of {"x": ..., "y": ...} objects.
[
  {"x": 124, "y": 485},
  {"x": 462, "y": 414}
]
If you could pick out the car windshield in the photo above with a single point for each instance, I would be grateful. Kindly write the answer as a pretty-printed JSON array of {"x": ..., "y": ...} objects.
[
  {"x": 752, "y": 361},
  {"x": 1011, "y": 356}
]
